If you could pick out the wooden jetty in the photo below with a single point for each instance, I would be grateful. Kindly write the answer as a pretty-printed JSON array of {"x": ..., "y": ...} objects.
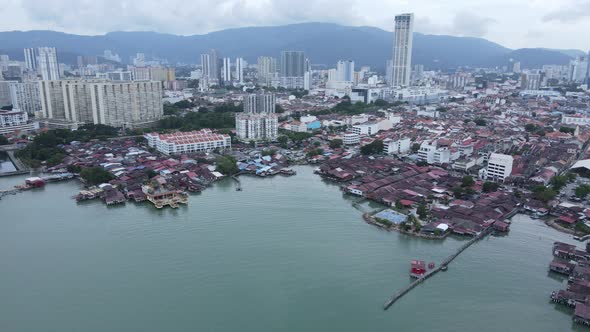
[
  {"x": 238, "y": 182},
  {"x": 442, "y": 267}
]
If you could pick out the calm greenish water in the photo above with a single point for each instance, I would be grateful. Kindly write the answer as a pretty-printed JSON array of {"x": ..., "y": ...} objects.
[{"x": 284, "y": 254}]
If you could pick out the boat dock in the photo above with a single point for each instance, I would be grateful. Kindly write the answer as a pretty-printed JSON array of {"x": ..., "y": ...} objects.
[
  {"x": 442, "y": 267},
  {"x": 238, "y": 182}
]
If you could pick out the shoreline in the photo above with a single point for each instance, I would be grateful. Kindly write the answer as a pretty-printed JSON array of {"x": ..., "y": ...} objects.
[
  {"x": 371, "y": 221},
  {"x": 551, "y": 223}
]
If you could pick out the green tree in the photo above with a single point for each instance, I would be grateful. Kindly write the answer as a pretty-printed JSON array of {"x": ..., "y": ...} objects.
[
  {"x": 489, "y": 187},
  {"x": 381, "y": 103},
  {"x": 567, "y": 130},
  {"x": 480, "y": 122},
  {"x": 571, "y": 176},
  {"x": 227, "y": 165},
  {"x": 315, "y": 152},
  {"x": 544, "y": 194},
  {"x": 399, "y": 205},
  {"x": 279, "y": 109},
  {"x": 529, "y": 127},
  {"x": 74, "y": 168},
  {"x": 457, "y": 191},
  {"x": 582, "y": 190},
  {"x": 557, "y": 182},
  {"x": 269, "y": 152},
  {"x": 184, "y": 104},
  {"x": 422, "y": 211},
  {"x": 415, "y": 147},
  {"x": 150, "y": 173},
  {"x": 3, "y": 140},
  {"x": 375, "y": 147},
  {"x": 467, "y": 181},
  {"x": 96, "y": 175},
  {"x": 336, "y": 143},
  {"x": 283, "y": 140}
]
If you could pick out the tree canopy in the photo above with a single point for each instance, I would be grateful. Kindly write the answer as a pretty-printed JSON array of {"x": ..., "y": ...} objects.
[
  {"x": 375, "y": 147},
  {"x": 227, "y": 165},
  {"x": 96, "y": 175}
]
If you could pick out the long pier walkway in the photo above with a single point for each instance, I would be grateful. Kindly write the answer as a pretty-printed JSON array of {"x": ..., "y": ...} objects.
[
  {"x": 442, "y": 267},
  {"x": 238, "y": 182}
]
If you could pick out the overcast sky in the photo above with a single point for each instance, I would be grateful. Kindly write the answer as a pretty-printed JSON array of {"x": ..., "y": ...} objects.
[{"x": 512, "y": 23}]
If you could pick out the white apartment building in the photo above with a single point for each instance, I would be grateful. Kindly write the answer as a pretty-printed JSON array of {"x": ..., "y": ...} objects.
[
  {"x": 252, "y": 126},
  {"x": 15, "y": 120},
  {"x": 297, "y": 126},
  {"x": 258, "y": 121},
  {"x": 240, "y": 65},
  {"x": 576, "y": 119},
  {"x": 31, "y": 55},
  {"x": 366, "y": 129},
  {"x": 13, "y": 117},
  {"x": 47, "y": 63},
  {"x": 118, "y": 104},
  {"x": 432, "y": 154},
  {"x": 140, "y": 73},
  {"x": 188, "y": 142},
  {"x": 530, "y": 81},
  {"x": 267, "y": 70},
  {"x": 25, "y": 96},
  {"x": 226, "y": 70},
  {"x": 499, "y": 167},
  {"x": 260, "y": 103},
  {"x": 345, "y": 71},
  {"x": 397, "y": 146},
  {"x": 351, "y": 139},
  {"x": 119, "y": 76}
]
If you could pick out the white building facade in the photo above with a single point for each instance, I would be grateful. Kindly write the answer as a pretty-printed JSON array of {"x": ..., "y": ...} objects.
[
  {"x": 499, "y": 167},
  {"x": 47, "y": 63},
  {"x": 402, "y": 50},
  {"x": 188, "y": 142}
]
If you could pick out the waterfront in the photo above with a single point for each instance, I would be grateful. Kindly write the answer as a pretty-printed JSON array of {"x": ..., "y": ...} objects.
[
  {"x": 284, "y": 254},
  {"x": 6, "y": 165}
]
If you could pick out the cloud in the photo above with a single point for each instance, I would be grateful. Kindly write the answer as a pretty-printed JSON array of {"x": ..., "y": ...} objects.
[
  {"x": 502, "y": 21},
  {"x": 469, "y": 24},
  {"x": 575, "y": 12}
]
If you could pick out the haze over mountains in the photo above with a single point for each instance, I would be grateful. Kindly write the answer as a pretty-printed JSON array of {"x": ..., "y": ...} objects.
[{"x": 324, "y": 43}]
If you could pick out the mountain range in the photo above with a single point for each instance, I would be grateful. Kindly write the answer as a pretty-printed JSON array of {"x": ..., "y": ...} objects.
[{"x": 323, "y": 43}]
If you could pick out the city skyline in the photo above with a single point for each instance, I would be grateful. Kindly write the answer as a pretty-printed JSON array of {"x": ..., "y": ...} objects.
[{"x": 554, "y": 25}]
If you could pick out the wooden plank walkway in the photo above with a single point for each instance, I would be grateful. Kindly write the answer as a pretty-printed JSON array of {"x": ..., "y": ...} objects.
[{"x": 443, "y": 266}]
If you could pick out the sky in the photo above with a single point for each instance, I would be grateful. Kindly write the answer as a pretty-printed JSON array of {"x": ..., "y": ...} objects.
[{"x": 512, "y": 23}]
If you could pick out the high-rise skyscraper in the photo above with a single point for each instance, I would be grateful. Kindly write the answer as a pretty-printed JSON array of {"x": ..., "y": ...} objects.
[
  {"x": 345, "y": 71},
  {"x": 240, "y": 64},
  {"x": 402, "y": 49},
  {"x": 47, "y": 63},
  {"x": 215, "y": 64},
  {"x": 293, "y": 68},
  {"x": 206, "y": 70},
  {"x": 31, "y": 55},
  {"x": 588, "y": 69},
  {"x": 258, "y": 121},
  {"x": 267, "y": 68},
  {"x": 4, "y": 61},
  {"x": 292, "y": 64},
  {"x": 260, "y": 103},
  {"x": 226, "y": 70}
]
